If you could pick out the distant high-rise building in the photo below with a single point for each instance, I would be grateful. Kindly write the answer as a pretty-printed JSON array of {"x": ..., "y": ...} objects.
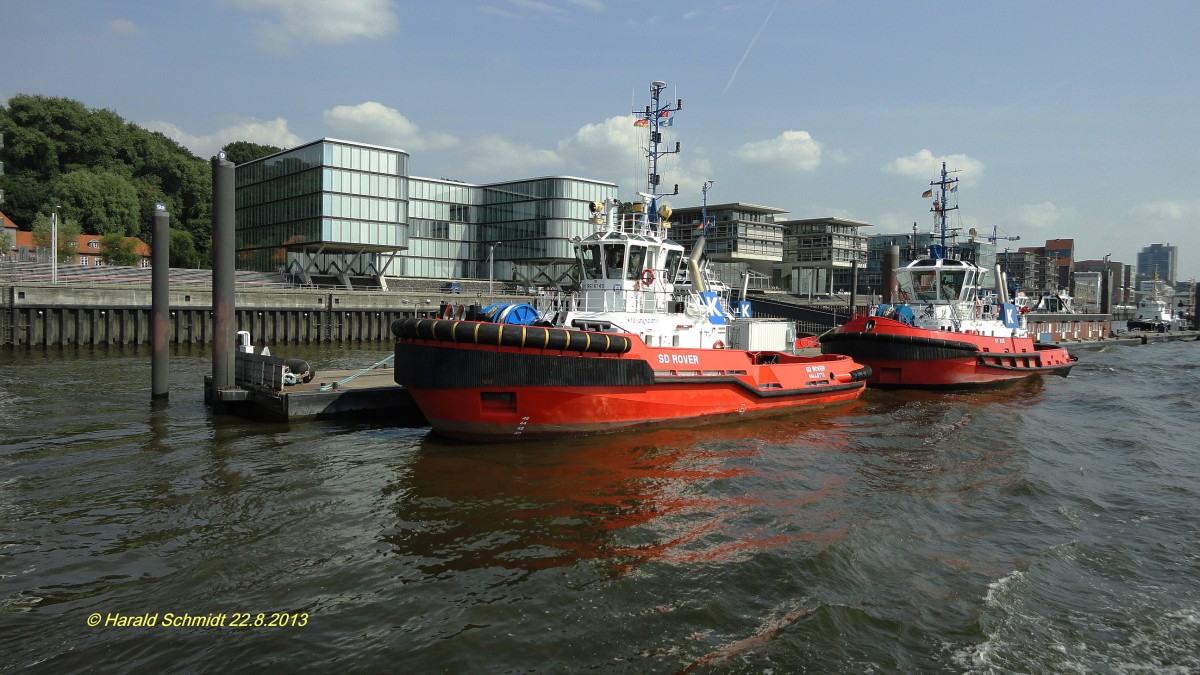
[{"x": 1157, "y": 260}]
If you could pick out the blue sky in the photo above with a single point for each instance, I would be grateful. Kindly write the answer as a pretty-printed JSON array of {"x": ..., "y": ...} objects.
[{"x": 1064, "y": 118}]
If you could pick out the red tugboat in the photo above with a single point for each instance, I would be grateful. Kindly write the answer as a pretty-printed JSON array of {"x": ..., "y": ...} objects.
[
  {"x": 944, "y": 331},
  {"x": 643, "y": 343}
]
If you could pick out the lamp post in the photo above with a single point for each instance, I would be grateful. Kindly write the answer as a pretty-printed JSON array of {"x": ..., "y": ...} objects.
[
  {"x": 491, "y": 264},
  {"x": 54, "y": 245}
]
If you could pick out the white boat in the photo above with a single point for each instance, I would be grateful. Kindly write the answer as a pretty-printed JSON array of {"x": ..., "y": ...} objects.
[{"x": 1155, "y": 314}]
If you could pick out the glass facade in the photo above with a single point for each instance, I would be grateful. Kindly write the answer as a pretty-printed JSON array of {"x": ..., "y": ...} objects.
[
  {"x": 534, "y": 221},
  {"x": 453, "y": 225},
  {"x": 440, "y": 230},
  {"x": 338, "y": 197},
  {"x": 356, "y": 204},
  {"x": 1158, "y": 261}
]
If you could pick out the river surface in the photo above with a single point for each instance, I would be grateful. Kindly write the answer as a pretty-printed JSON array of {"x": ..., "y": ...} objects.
[{"x": 1049, "y": 527}]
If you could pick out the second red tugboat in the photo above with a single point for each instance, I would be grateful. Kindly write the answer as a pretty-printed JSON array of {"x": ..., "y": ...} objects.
[{"x": 944, "y": 330}]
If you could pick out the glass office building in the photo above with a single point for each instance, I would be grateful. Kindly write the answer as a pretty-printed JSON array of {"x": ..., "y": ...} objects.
[
  {"x": 532, "y": 222},
  {"x": 327, "y": 208},
  {"x": 1158, "y": 261},
  {"x": 335, "y": 211},
  {"x": 441, "y": 230}
]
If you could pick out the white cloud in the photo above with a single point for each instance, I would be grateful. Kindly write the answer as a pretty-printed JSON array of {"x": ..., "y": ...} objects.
[
  {"x": 123, "y": 27},
  {"x": 613, "y": 150},
  {"x": 298, "y": 22},
  {"x": 274, "y": 132},
  {"x": 496, "y": 158},
  {"x": 604, "y": 151},
  {"x": 790, "y": 151},
  {"x": 1168, "y": 210},
  {"x": 610, "y": 150},
  {"x": 1042, "y": 215},
  {"x": 372, "y": 122},
  {"x": 924, "y": 165}
]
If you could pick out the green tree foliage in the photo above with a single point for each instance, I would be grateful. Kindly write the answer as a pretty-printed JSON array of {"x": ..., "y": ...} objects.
[
  {"x": 68, "y": 235},
  {"x": 103, "y": 202},
  {"x": 183, "y": 251},
  {"x": 240, "y": 152},
  {"x": 118, "y": 250},
  {"x": 105, "y": 173}
]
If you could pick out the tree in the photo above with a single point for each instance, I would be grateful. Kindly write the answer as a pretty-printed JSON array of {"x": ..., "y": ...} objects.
[
  {"x": 68, "y": 236},
  {"x": 48, "y": 138},
  {"x": 240, "y": 152},
  {"x": 104, "y": 202},
  {"x": 118, "y": 250},
  {"x": 6, "y": 242},
  {"x": 183, "y": 250}
]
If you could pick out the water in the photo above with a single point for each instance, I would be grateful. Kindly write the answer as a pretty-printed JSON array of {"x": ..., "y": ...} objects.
[{"x": 1049, "y": 527}]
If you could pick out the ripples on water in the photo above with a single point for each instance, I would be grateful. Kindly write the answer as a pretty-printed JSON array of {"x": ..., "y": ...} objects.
[{"x": 1051, "y": 526}]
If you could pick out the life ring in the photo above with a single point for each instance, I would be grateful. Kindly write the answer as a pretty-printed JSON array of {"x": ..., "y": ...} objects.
[
  {"x": 903, "y": 296},
  {"x": 647, "y": 277},
  {"x": 716, "y": 345}
]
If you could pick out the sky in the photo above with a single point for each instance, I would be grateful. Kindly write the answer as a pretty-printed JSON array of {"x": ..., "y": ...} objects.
[{"x": 1061, "y": 119}]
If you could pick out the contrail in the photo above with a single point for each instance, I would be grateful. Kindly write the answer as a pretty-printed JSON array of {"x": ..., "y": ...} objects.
[{"x": 749, "y": 47}]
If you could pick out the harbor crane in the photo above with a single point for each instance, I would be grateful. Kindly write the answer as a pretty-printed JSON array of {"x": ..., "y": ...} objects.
[{"x": 995, "y": 236}]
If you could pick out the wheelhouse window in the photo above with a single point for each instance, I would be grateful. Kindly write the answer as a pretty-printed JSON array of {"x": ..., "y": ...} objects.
[
  {"x": 672, "y": 269},
  {"x": 614, "y": 260},
  {"x": 590, "y": 262},
  {"x": 637, "y": 258},
  {"x": 951, "y": 284}
]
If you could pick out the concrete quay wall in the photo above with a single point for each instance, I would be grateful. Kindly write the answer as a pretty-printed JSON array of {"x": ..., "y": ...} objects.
[{"x": 60, "y": 315}]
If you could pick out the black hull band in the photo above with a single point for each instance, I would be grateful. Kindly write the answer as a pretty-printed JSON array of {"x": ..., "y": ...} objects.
[
  {"x": 874, "y": 346},
  {"x": 433, "y": 367},
  {"x": 509, "y": 335}
]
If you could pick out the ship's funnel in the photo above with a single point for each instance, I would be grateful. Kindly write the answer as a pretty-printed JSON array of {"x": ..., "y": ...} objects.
[{"x": 693, "y": 265}]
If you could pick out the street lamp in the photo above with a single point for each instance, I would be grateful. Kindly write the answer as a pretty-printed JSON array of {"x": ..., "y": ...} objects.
[
  {"x": 54, "y": 245},
  {"x": 491, "y": 264}
]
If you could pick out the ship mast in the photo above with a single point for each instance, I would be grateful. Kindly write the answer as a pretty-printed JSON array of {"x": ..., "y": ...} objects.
[
  {"x": 706, "y": 221},
  {"x": 940, "y": 207},
  {"x": 654, "y": 117}
]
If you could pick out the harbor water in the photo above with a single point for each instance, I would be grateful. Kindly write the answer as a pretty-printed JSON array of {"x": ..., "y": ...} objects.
[{"x": 1052, "y": 526}]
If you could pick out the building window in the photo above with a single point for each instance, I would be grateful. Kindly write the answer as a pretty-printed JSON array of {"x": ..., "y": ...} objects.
[{"x": 94, "y": 244}]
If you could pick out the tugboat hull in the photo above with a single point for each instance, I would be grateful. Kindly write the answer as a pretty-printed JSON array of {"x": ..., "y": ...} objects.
[
  {"x": 900, "y": 355},
  {"x": 494, "y": 392}
]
